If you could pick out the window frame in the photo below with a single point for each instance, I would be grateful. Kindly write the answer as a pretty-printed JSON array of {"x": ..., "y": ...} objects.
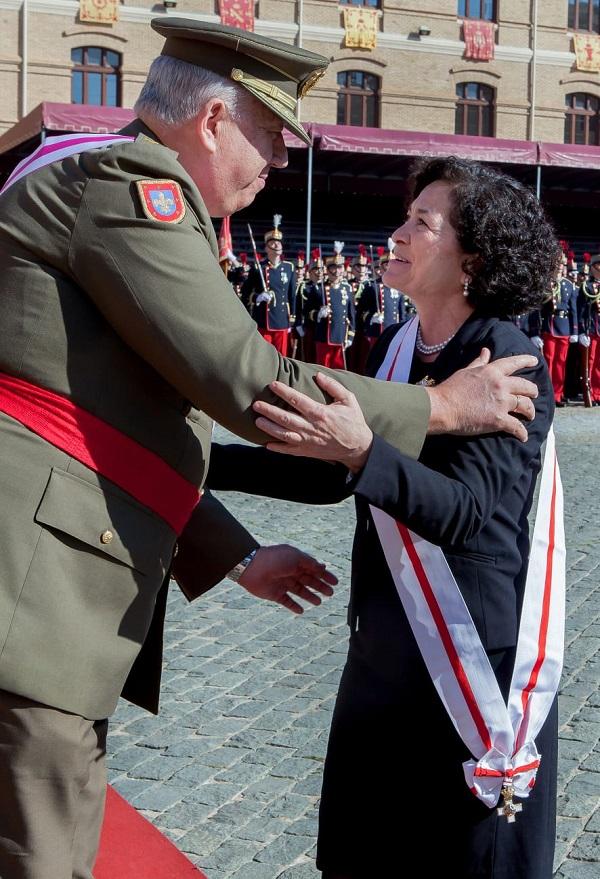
[
  {"x": 349, "y": 92},
  {"x": 467, "y": 13},
  {"x": 465, "y": 102},
  {"x": 104, "y": 70},
  {"x": 375, "y": 4},
  {"x": 590, "y": 28},
  {"x": 572, "y": 113}
]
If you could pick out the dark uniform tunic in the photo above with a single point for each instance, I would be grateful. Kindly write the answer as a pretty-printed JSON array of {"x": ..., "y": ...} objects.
[
  {"x": 279, "y": 313},
  {"x": 385, "y": 301},
  {"x": 338, "y": 328}
]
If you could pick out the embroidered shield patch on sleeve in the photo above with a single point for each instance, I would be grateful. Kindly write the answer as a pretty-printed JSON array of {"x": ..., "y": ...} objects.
[{"x": 161, "y": 200}]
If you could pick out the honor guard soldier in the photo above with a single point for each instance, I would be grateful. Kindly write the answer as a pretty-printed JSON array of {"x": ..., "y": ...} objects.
[
  {"x": 382, "y": 306},
  {"x": 313, "y": 292},
  {"x": 588, "y": 316},
  {"x": 301, "y": 278},
  {"x": 270, "y": 292},
  {"x": 331, "y": 312},
  {"x": 362, "y": 287},
  {"x": 238, "y": 273},
  {"x": 553, "y": 327}
]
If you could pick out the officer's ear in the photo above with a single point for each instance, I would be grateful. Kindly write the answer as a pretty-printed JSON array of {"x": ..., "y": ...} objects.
[{"x": 210, "y": 123}]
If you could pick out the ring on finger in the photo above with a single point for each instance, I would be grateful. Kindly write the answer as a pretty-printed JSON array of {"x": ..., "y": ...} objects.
[{"x": 517, "y": 403}]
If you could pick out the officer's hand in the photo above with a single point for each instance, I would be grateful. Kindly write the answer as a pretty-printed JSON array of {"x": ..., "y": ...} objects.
[
  {"x": 263, "y": 297},
  {"x": 538, "y": 342},
  {"x": 584, "y": 340},
  {"x": 335, "y": 431},
  {"x": 276, "y": 573},
  {"x": 573, "y": 338},
  {"x": 377, "y": 318},
  {"x": 323, "y": 312},
  {"x": 479, "y": 398}
]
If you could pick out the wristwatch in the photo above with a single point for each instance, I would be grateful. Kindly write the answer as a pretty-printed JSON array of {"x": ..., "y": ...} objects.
[{"x": 239, "y": 569}]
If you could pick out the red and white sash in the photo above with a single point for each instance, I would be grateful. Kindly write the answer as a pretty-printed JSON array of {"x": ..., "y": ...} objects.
[
  {"x": 501, "y": 738},
  {"x": 55, "y": 148}
]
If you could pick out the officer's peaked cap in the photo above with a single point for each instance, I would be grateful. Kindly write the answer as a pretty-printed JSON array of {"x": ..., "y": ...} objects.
[{"x": 277, "y": 74}]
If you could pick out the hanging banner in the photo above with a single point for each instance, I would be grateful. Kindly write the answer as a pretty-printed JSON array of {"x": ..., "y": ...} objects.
[
  {"x": 225, "y": 242},
  {"x": 237, "y": 13},
  {"x": 587, "y": 51},
  {"x": 101, "y": 11},
  {"x": 479, "y": 39},
  {"x": 360, "y": 25}
]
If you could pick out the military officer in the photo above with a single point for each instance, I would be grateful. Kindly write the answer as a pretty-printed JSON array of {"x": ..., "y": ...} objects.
[
  {"x": 269, "y": 292},
  {"x": 331, "y": 313},
  {"x": 121, "y": 341},
  {"x": 588, "y": 316},
  {"x": 553, "y": 327}
]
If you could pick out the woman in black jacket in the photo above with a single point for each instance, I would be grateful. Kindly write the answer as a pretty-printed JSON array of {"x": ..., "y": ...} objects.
[{"x": 476, "y": 248}]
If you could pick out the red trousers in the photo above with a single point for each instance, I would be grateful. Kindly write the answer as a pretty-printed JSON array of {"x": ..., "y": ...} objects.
[
  {"x": 594, "y": 367},
  {"x": 330, "y": 355},
  {"x": 556, "y": 349},
  {"x": 277, "y": 338}
]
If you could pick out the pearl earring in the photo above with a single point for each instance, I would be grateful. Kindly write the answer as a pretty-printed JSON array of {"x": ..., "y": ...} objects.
[{"x": 466, "y": 288}]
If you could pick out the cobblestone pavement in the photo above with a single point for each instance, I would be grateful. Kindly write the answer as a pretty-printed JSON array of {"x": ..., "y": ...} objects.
[{"x": 231, "y": 768}]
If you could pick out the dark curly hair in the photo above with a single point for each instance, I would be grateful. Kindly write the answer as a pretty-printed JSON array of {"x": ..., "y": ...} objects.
[{"x": 500, "y": 221}]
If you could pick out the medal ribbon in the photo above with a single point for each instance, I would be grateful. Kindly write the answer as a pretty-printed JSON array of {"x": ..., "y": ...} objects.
[
  {"x": 55, "y": 148},
  {"x": 501, "y": 738}
]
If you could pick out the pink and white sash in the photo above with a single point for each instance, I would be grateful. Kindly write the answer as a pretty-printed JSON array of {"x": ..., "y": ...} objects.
[
  {"x": 501, "y": 738},
  {"x": 55, "y": 148}
]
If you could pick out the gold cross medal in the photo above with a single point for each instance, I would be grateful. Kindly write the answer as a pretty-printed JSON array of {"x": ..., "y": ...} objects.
[{"x": 509, "y": 808}]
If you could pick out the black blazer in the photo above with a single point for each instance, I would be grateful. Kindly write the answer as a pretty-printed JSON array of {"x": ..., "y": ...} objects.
[{"x": 470, "y": 495}]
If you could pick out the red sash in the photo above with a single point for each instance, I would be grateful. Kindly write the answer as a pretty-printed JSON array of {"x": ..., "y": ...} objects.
[{"x": 102, "y": 448}]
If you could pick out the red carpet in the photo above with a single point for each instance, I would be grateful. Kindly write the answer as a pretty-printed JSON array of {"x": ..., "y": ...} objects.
[{"x": 132, "y": 848}]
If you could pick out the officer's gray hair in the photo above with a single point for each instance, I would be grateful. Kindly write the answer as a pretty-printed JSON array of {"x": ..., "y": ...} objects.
[{"x": 175, "y": 91}]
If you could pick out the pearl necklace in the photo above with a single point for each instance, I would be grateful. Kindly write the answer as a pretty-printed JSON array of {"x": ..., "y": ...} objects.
[{"x": 422, "y": 348}]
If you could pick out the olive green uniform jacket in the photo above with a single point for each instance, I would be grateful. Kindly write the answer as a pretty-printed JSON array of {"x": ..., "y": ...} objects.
[{"x": 132, "y": 319}]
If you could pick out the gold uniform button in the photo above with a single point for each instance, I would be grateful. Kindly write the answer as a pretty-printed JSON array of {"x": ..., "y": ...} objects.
[{"x": 106, "y": 537}]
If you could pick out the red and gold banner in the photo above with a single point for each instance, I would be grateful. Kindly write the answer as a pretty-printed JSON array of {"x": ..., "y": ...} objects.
[
  {"x": 360, "y": 24},
  {"x": 225, "y": 242},
  {"x": 102, "y": 11},
  {"x": 479, "y": 39},
  {"x": 237, "y": 13},
  {"x": 587, "y": 51}
]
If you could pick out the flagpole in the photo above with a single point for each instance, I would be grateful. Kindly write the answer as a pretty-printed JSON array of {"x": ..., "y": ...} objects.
[
  {"x": 24, "y": 55},
  {"x": 533, "y": 71},
  {"x": 309, "y": 183}
]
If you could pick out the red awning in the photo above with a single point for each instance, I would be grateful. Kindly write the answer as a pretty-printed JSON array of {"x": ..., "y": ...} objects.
[
  {"x": 567, "y": 155},
  {"x": 380, "y": 141},
  {"x": 83, "y": 117},
  {"x": 50, "y": 117}
]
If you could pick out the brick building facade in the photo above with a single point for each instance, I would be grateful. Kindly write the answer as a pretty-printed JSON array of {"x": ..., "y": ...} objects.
[{"x": 412, "y": 80}]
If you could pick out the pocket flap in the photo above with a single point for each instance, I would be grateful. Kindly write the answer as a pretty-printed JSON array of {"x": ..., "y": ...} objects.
[{"x": 104, "y": 521}]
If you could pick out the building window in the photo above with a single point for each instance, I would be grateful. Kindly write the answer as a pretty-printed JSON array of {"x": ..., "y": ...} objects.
[
  {"x": 584, "y": 15},
  {"x": 374, "y": 4},
  {"x": 475, "y": 109},
  {"x": 96, "y": 76},
  {"x": 482, "y": 9},
  {"x": 582, "y": 119},
  {"x": 358, "y": 98}
]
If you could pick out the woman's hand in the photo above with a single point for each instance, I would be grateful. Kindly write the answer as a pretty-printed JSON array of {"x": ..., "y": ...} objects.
[{"x": 332, "y": 432}]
